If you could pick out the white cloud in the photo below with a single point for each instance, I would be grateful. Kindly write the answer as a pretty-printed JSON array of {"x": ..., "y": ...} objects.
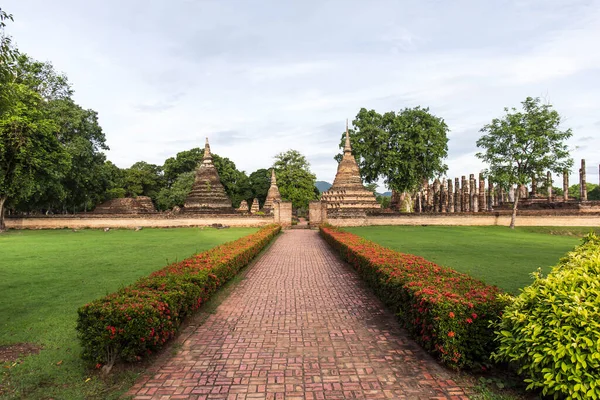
[{"x": 165, "y": 75}]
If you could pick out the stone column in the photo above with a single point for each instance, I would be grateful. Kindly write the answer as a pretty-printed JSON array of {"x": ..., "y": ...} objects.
[
  {"x": 450, "y": 196},
  {"x": 443, "y": 197},
  {"x": 549, "y": 183},
  {"x": 472, "y": 192},
  {"x": 436, "y": 196},
  {"x": 565, "y": 185},
  {"x": 583, "y": 183},
  {"x": 512, "y": 194},
  {"x": 482, "y": 202},
  {"x": 491, "y": 195},
  {"x": 425, "y": 193},
  {"x": 464, "y": 197},
  {"x": 533, "y": 186},
  {"x": 419, "y": 201},
  {"x": 457, "y": 195}
]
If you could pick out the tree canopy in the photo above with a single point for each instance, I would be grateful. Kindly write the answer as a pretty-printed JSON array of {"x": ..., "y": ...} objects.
[
  {"x": 403, "y": 148},
  {"x": 524, "y": 144},
  {"x": 295, "y": 180}
]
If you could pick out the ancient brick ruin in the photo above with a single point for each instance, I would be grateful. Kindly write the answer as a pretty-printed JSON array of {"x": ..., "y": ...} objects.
[
  {"x": 472, "y": 195},
  {"x": 255, "y": 206},
  {"x": 243, "y": 208},
  {"x": 208, "y": 194},
  {"x": 347, "y": 197},
  {"x": 127, "y": 205},
  {"x": 273, "y": 195}
]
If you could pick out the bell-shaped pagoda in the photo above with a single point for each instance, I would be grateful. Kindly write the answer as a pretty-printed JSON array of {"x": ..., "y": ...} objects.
[
  {"x": 273, "y": 194},
  {"x": 208, "y": 194},
  {"x": 347, "y": 196}
]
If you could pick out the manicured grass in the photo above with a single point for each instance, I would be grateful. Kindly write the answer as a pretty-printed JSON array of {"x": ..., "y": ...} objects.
[
  {"x": 497, "y": 255},
  {"x": 45, "y": 276}
]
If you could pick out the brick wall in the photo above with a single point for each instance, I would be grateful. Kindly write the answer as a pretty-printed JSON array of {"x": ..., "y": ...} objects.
[
  {"x": 57, "y": 222},
  {"x": 470, "y": 220}
]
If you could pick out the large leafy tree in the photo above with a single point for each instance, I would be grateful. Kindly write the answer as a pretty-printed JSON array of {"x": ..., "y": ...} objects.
[
  {"x": 30, "y": 153},
  {"x": 236, "y": 183},
  {"x": 403, "y": 148},
  {"x": 260, "y": 182},
  {"x": 523, "y": 144},
  {"x": 143, "y": 179},
  {"x": 184, "y": 161},
  {"x": 175, "y": 195},
  {"x": 295, "y": 180}
]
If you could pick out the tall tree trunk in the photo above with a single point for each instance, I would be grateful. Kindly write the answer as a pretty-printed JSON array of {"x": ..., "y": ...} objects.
[
  {"x": 2, "y": 225},
  {"x": 515, "y": 204}
]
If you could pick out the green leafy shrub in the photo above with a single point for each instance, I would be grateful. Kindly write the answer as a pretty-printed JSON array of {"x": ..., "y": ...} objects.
[
  {"x": 448, "y": 313},
  {"x": 551, "y": 331},
  {"x": 139, "y": 319}
]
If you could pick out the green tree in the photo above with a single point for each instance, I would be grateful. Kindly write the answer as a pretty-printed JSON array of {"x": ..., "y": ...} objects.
[
  {"x": 8, "y": 55},
  {"x": 403, "y": 148},
  {"x": 185, "y": 161},
  {"x": 169, "y": 197},
  {"x": 115, "y": 178},
  {"x": 30, "y": 153},
  {"x": 295, "y": 180},
  {"x": 593, "y": 191},
  {"x": 523, "y": 144},
  {"x": 236, "y": 183},
  {"x": 260, "y": 182},
  {"x": 143, "y": 179}
]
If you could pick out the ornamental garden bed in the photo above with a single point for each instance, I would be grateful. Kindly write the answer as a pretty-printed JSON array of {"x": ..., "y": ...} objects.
[
  {"x": 139, "y": 319},
  {"x": 448, "y": 313}
]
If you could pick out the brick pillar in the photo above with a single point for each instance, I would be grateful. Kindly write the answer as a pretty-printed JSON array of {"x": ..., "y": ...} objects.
[
  {"x": 583, "y": 183},
  {"x": 419, "y": 201},
  {"x": 450, "y": 196},
  {"x": 464, "y": 195},
  {"x": 472, "y": 193},
  {"x": 482, "y": 202},
  {"x": 549, "y": 183},
  {"x": 457, "y": 195},
  {"x": 565, "y": 185}
]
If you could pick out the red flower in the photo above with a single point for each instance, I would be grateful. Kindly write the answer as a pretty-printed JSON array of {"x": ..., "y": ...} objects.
[
  {"x": 451, "y": 334},
  {"x": 474, "y": 315},
  {"x": 469, "y": 321},
  {"x": 451, "y": 314}
]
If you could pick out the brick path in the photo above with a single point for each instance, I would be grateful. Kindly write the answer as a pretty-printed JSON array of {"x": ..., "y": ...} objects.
[{"x": 301, "y": 326}]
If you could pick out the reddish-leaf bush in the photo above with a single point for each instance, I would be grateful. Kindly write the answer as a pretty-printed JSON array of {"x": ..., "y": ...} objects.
[
  {"x": 138, "y": 319},
  {"x": 448, "y": 313}
]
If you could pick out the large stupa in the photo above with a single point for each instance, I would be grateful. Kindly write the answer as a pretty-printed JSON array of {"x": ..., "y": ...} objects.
[
  {"x": 347, "y": 197},
  {"x": 273, "y": 194},
  {"x": 208, "y": 194}
]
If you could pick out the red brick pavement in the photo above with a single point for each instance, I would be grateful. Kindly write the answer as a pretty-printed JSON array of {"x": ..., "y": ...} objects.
[{"x": 300, "y": 326}]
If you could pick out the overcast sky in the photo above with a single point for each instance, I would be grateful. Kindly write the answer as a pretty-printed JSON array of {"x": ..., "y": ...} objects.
[{"x": 261, "y": 77}]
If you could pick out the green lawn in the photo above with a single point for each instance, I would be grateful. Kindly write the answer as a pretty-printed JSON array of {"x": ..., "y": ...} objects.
[
  {"x": 46, "y": 275},
  {"x": 494, "y": 254}
]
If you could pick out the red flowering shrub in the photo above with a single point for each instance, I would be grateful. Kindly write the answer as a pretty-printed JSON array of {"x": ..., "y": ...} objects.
[
  {"x": 138, "y": 319},
  {"x": 448, "y": 313}
]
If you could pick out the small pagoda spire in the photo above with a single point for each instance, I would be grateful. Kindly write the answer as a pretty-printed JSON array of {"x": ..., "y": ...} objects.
[
  {"x": 273, "y": 179},
  {"x": 207, "y": 150},
  {"x": 347, "y": 147}
]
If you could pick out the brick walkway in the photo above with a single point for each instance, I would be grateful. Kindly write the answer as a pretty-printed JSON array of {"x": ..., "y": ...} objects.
[{"x": 301, "y": 326}]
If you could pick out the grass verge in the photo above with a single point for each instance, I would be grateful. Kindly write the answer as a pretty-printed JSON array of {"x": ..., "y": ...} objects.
[
  {"x": 46, "y": 275},
  {"x": 496, "y": 255}
]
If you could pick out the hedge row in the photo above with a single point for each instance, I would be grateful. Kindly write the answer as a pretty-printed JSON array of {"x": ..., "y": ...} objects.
[
  {"x": 138, "y": 319},
  {"x": 551, "y": 330},
  {"x": 448, "y": 313}
]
